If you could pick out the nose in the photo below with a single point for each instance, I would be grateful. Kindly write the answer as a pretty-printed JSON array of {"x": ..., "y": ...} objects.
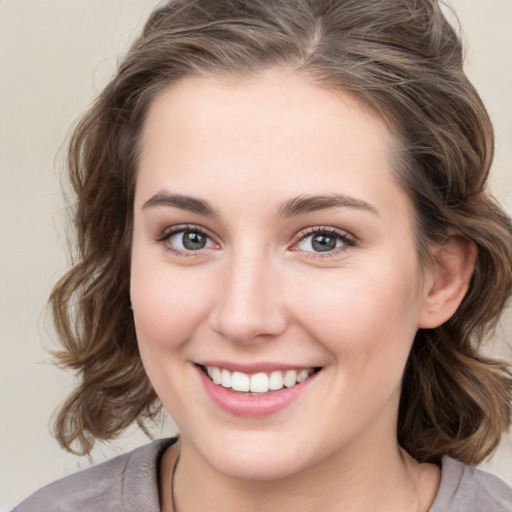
[{"x": 249, "y": 307}]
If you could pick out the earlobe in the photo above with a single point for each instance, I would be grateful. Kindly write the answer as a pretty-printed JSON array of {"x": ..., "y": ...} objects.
[{"x": 447, "y": 281}]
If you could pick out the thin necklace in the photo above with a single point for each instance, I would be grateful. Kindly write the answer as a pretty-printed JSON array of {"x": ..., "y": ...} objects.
[{"x": 174, "y": 506}]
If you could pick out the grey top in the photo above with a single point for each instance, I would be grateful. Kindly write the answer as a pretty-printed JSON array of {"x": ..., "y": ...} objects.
[{"x": 129, "y": 483}]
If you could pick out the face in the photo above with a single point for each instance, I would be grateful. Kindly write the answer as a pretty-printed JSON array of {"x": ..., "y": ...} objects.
[{"x": 275, "y": 284}]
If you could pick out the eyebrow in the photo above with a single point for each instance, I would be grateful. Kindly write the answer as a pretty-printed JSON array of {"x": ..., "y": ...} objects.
[
  {"x": 293, "y": 207},
  {"x": 306, "y": 204},
  {"x": 183, "y": 202}
]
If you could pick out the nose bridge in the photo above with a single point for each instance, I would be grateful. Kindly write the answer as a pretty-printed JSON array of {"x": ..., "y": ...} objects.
[{"x": 248, "y": 306}]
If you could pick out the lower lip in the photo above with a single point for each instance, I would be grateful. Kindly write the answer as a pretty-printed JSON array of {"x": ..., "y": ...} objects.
[{"x": 253, "y": 406}]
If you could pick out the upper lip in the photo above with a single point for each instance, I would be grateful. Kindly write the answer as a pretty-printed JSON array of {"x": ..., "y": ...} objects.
[{"x": 256, "y": 367}]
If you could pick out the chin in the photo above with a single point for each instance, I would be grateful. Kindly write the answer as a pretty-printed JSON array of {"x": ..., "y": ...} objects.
[
  {"x": 261, "y": 467},
  {"x": 247, "y": 456}
]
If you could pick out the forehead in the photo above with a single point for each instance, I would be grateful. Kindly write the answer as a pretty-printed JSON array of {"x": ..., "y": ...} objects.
[{"x": 279, "y": 121}]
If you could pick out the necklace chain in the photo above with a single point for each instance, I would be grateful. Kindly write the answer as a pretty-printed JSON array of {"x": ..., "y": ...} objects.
[{"x": 173, "y": 479}]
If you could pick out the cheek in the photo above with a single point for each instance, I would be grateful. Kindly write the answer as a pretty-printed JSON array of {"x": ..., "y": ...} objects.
[
  {"x": 168, "y": 306},
  {"x": 365, "y": 315},
  {"x": 168, "y": 303}
]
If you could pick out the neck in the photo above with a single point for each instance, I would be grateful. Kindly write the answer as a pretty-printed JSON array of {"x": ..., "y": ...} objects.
[{"x": 385, "y": 479}]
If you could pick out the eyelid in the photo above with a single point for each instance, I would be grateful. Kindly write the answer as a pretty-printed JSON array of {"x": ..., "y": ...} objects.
[
  {"x": 169, "y": 231},
  {"x": 346, "y": 237},
  {"x": 348, "y": 240}
]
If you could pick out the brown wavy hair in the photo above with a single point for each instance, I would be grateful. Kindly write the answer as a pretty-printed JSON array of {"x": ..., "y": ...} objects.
[{"x": 399, "y": 57}]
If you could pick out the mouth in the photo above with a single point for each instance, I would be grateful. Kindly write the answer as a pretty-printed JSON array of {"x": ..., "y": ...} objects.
[{"x": 257, "y": 384}]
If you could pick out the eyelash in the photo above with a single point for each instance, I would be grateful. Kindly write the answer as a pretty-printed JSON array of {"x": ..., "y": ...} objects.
[
  {"x": 346, "y": 239},
  {"x": 167, "y": 233}
]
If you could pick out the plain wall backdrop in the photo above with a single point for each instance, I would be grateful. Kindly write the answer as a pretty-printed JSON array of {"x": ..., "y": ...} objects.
[{"x": 55, "y": 56}]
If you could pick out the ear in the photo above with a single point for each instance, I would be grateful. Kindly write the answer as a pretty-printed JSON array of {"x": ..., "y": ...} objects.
[{"x": 447, "y": 280}]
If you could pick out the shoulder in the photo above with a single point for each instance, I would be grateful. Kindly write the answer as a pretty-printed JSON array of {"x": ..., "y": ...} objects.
[
  {"x": 125, "y": 483},
  {"x": 466, "y": 489}
]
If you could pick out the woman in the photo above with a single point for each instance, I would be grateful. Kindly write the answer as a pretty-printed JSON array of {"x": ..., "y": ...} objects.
[{"x": 285, "y": 239}]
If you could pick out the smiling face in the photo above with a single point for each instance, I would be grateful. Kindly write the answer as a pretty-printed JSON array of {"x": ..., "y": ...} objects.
[{"x": 273, "y": 248}]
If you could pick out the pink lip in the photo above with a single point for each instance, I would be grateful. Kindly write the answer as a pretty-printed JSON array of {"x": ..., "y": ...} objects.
[
  {"x": 251, "y": 368},
  {"x": 252, "y": 406}
]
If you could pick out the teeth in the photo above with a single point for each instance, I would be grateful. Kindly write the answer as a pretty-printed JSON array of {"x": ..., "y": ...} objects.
[
  {"x": 290, "y": 378},
  {"x": 302, "y": 375},
  {"x": 216, "y": 375},
  {"x": 276, "y": 381},
  {"x": 239, "y": 381},
  {"x": 257, "y": 382},
  {"x": 225, "y": 379}
]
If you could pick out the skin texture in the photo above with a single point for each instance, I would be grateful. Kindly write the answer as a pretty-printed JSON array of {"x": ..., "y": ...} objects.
[{"x": 259, "y": 292}]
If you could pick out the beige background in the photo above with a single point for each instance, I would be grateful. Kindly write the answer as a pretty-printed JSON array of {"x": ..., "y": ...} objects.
[{"x": 55, "y": 55}]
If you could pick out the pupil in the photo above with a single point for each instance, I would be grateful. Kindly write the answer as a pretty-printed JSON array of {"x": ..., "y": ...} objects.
[
  {"x": 323, "y": 243},
  {"x": 193, "y": 241}
]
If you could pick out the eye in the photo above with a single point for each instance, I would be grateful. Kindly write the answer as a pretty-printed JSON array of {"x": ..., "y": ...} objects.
[
  {"x": 186, "y": 239},
  {"x": 324, "y": 240}
]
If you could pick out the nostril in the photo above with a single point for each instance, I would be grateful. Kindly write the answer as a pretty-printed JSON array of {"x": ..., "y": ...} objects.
[{"x": 248, "y": 327}]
